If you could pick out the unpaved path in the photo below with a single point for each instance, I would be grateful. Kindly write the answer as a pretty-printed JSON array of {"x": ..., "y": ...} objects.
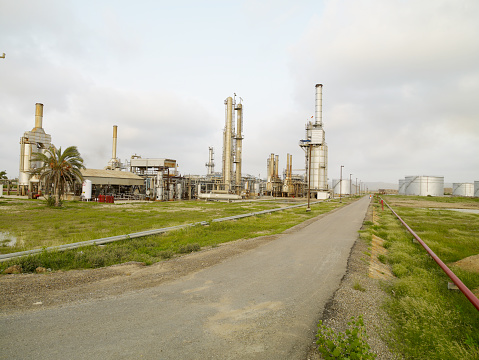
[{"x": 253, "y": 299}]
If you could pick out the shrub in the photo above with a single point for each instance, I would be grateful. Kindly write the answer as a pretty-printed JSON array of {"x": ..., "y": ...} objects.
[
  {"x": 348, "y": 345},
  {"x": 183, "y": 249}
]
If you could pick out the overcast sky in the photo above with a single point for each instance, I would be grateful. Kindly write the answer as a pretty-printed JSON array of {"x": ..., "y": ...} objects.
[{"x": 400, "y": 81}]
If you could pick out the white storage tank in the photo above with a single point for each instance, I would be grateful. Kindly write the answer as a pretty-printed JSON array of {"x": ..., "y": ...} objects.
[
  {"x": 425, "y": 185},
  {"x": 463, "y": 189},
  {"x": 476, "y": 188},
  {"x": 86, "y": 190},
  {"x": 346, "y": 187}
]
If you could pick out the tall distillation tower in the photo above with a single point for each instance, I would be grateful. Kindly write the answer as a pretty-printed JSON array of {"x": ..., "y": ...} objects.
[
  {"x": 316, "y": 150},
  {"x": 232, "y": 146}
]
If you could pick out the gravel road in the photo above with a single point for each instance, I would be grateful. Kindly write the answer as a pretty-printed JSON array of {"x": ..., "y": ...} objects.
[{"x": 252, "y": 299}]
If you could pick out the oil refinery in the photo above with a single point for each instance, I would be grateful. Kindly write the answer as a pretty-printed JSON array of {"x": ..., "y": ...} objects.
[{"x": 158, "y": 178}]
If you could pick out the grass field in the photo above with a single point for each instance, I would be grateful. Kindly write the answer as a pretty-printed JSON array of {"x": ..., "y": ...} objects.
[
  {"x": 428, "y": 320},
  {"x": 37, "y": 226}
]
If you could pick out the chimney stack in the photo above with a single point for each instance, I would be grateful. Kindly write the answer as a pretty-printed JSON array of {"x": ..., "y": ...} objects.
[
  {"x": 113, "y": 152},
  {"x": 319, "y": 105},
  {"x": 38, "y": 115}
]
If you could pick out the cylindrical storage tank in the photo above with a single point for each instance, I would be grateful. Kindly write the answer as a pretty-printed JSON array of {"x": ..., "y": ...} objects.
[
  {"x": 476, "y": 188},
  {"x": 256, "y": 188},
  {"x": 402, "y": 187},
  {"x": 101, "y": 198},
  {"x": 345, "y": 187},
  {"x": 425, "y": 185},
  {"x": 86, "y": 190},
  {"x": 463, "y": 189}
]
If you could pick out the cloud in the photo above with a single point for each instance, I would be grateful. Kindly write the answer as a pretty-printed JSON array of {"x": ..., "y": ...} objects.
[{"x": 400, "y": 82}]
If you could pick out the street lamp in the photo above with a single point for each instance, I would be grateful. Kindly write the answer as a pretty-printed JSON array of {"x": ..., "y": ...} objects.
[
  {"x": 340, "y": 182},
  {"x": 350, "y": 186},
  {"x": 356, "y": 186}
]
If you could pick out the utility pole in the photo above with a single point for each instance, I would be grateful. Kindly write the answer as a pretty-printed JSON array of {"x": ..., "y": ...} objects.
[
  {"x": 340, "y": 182},
  {"x": 350, "y": 186}
]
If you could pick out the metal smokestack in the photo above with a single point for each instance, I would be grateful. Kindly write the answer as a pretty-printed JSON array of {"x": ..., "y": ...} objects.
[
  {"x": 38, "y": 115},
  {"x": 113, "y": 151},
  {"x": 319, "y": 105}
]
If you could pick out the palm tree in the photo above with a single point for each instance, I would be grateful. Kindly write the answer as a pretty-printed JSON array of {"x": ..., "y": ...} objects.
[
  {"x": 3, "y": 175},
  {"x": 59, "y": 169}
]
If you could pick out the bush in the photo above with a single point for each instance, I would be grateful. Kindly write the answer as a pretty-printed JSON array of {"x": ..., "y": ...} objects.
[
  {"x": 184, "y": 249},
  {"x": 348, "y": 345},
  {"x": 29, "y": 263}
]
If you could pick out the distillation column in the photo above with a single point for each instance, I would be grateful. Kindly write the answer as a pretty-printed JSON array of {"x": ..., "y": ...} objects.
[
  {"x": 315, "y": 144},
  {"x": 210, "y": 165},
  {"x": 239, "y": 145},
  {"x": 227, "y": 145}
]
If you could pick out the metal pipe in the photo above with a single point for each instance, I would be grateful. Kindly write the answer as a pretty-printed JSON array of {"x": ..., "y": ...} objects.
[
  {"x": 113, "y": 151},
  {"x": 38, "y": 115},
  {"x": 319, "y": 105},
  {"x": 468, "y": 293}
]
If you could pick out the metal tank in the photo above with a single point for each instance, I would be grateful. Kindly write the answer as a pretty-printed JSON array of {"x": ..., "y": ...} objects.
[
  {"x": 346, "y": 187},
  {"x": 463, "y": 189},
  {"x": 425, "y": 185},
  {"x": 402, "y": 187},
  {"x": 476, "y": 188}
]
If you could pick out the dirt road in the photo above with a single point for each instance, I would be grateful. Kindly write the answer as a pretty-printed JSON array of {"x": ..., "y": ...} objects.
[{"x": 251, "y": 302}]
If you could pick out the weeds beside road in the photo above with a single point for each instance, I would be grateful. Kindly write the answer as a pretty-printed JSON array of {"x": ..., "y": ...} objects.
[{"x": 428, "y": 321}]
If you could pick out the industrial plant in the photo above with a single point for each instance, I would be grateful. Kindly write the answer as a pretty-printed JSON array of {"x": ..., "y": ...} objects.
[{"x": 158, "y": 179}]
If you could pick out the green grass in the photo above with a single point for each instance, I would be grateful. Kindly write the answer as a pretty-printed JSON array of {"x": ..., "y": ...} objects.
[
  {"x": 428, "y": 320},
  {"x": 156, "y": 248},
  {"x": 36, "y": 226}
]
